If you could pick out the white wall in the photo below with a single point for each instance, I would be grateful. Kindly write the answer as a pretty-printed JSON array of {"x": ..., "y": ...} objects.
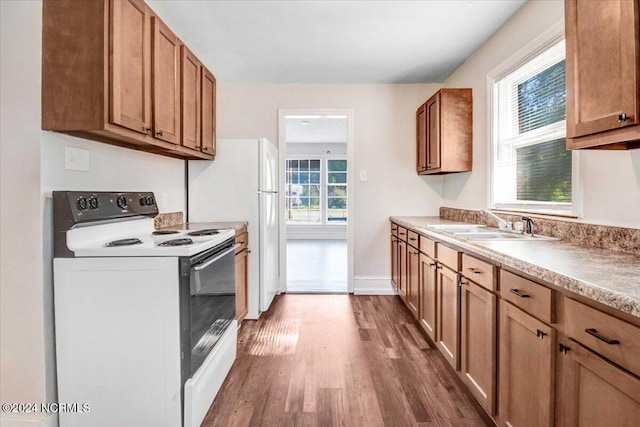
[
  {"x": 611, "y": 180},
  {"x": 33, "y": 165},
  {"x": 22, "y": 363},
  {"x": 384, "y": 145}
]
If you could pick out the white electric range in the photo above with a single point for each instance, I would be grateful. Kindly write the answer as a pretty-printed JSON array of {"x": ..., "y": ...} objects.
[{"x": 145, "y": 319}]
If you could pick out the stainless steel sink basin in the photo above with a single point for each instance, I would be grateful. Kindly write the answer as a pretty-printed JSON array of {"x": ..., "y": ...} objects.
[{"x": 482, "y": 232}]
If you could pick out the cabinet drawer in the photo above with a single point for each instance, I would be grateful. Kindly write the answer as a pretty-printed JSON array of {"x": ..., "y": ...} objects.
[
  {"x": 449, "y": 257},
  {"x": 529, "y": 296},
  {"x": 613, "y": 338},
  {"x": 482, "y": 273},
  {"x": 412, "y": 238},
  {"x": 242, "y": 239},
  {"x": 428, "y": 247},
  {"x": 402, "y": 233},
  {"x": 394, "y": 229}
]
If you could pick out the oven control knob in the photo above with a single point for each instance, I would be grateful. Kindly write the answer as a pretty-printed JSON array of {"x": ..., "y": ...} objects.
[
  {"x": 150, "y": 201},
  {"x": 121, "y": 201},
  {"x": 94, "y": 203},
  {"x": 82, "y": 204},
  {"x": 143, "y": 201}
]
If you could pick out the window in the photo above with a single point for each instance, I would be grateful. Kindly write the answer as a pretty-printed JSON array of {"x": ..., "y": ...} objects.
[
  {"x": 337, "y": 190},
  {"x": 316, "y": 191},
  {"x": 532, "y": 169}
]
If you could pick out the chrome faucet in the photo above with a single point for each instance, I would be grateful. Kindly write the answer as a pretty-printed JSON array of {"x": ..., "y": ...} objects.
[{"x": 502, "y": 224}]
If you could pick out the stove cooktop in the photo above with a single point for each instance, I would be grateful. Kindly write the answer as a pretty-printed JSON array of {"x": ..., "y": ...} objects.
[{"x": 138, "y": 238}]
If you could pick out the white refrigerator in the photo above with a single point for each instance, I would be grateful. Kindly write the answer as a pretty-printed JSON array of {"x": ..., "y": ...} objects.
[{"x": 241, "y": 184}]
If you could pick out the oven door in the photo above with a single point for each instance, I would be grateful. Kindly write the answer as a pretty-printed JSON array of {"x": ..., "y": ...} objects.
[{"x": 212, "y": 300}]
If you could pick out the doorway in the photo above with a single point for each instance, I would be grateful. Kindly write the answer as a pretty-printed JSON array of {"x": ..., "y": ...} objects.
[{"x": 316, "y": 201}]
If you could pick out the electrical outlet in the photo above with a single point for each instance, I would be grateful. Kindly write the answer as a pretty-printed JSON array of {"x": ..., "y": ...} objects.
[
  {"x": 363, "y": 175},
  {"x": 76, "y": 159}
]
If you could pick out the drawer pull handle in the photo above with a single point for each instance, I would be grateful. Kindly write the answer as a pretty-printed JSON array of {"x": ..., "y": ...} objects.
[
  {"x": 540, "y": 334},
  {"x": 402, "y": 234},
  {"x": 519, "y": 293},
  {"x": 474, "y": 270},
  {"x": 432, "y": 264},
  {"x": 412, "y": 238},
  {"x": 595, "y": 333}
]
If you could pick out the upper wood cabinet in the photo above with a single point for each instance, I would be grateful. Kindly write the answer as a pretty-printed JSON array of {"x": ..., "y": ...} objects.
[
  {"x": 190, "y": 99},
  {"x": 603, "y": 74},
  {"x": 208, "y": 110},
  {"x": 421, "y": 139},
  {"x": 130, "y": 80},
  {"x": 111, "y": 72},
  {"x": 166, "y": 84},
  {"x": 444, "y": 133}
]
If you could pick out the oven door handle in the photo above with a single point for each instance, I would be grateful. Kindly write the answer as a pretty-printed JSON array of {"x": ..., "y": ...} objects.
[{"x": 211, "y": 261}]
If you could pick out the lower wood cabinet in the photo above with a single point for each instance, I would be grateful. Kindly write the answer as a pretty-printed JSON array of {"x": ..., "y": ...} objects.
[
  {"x": 448, "y": 310},
  {"x": 593, "y": 392},
  {"x": 527, "y": 370},
  {"x": 478, "y": 342},
  {"x": 402, "y": 270},
  {"x": 242, "y": 276},
  {"x": 413, "y": 279},
  {"x": 428, "y": 294},
  {"x": 394, "y": 262}
]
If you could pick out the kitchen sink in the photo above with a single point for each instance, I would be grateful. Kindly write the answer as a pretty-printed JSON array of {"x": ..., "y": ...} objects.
[{"x": 482, "y": 232}]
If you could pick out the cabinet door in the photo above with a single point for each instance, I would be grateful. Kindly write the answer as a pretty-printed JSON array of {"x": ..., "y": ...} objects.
[
  {"x": 413, "y": 273},
  {"x": 478, "y": 343},
  {"x": 190, "y": 82},
  {"x": 448, "y": 293},
  {"x": 421, "y": 139},
  {"x": 242, "y": 275},
  {"x": 402, "y": 269},
  {"x": 433, "y": 132},
  {"x": 130, "y": 65},
  {"x": 208, "y": 112},
  {"x": 592, "y": 392},
  {"x": 428, "y": 302},
  {"x": 602, "y": 65},
  {"x": 526, "y": 369},
  {"x": 166, "y": 84},
  {"x": 394, "y": 262}
]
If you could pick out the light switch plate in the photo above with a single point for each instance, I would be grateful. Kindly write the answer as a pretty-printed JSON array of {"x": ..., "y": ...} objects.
[
  {"x": 363, "y": 175},
  {"x": 76, "y": 159}
]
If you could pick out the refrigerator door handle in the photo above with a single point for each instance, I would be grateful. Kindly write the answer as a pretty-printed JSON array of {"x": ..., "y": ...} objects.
[{"x": 267, "y": 192}]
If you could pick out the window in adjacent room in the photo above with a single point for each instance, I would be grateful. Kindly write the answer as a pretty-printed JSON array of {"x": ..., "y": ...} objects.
[
  {"x": 531, "y": 168},
  {"x": 316, "y": 191}
]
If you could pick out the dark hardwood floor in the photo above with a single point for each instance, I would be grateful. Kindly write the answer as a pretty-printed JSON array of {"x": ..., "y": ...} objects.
[{"x": 340, "y": 360}]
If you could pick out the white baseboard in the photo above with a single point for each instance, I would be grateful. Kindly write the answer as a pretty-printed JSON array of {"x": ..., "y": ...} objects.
[
  {"x": 373, "y": 285},
  {"x": 29, "y": 420}
]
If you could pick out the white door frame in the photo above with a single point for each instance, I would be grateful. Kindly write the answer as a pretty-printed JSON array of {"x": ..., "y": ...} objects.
[{"x": 282, "y": 149}]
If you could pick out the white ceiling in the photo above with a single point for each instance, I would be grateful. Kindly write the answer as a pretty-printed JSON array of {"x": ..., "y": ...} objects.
[
  {"x": 316, "y": 128},
  {"x": 316, "y": 41}
]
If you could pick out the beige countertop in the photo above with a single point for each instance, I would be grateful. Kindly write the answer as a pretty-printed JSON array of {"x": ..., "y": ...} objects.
[{"x": 608, "y": 277}]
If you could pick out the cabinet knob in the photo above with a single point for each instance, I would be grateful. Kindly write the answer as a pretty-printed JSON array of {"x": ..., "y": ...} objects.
[
  {"x": 564, "y": 349},
  {"x": 159, "y": 133},
  {"x": 148, "y": 130},
  {"x": 623, "y": 117}
]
